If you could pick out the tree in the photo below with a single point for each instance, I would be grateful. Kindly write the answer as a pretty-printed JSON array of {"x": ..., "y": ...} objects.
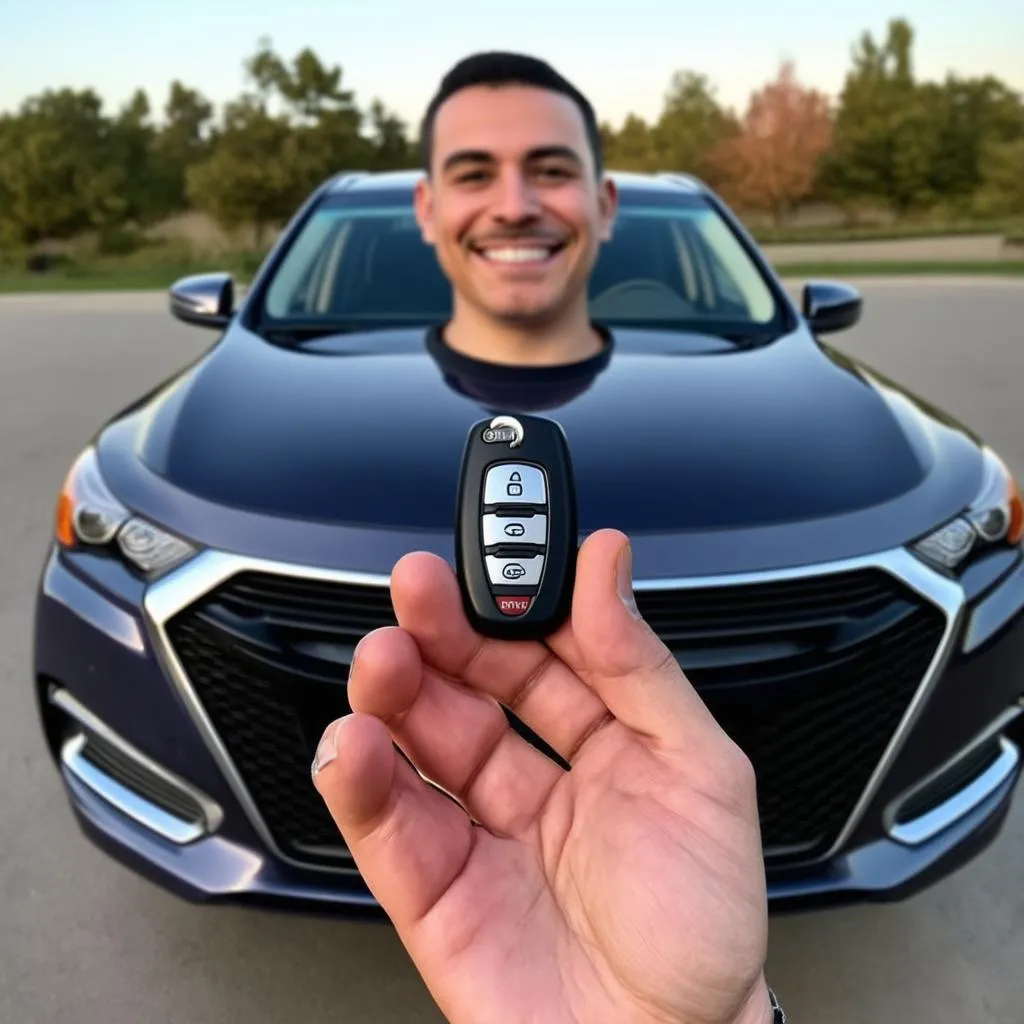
[
  {"x": 632, "y": 147},
  {"x": 692, "y": 124},
  {"x": 294, "y": 127},
  {"x": 250, "y": 177},
  {"x": 389, "y": 139},
  {"x": 1001, "y": 192},
  {"x": 132, "y": 134},
  {"x": 882, "y": 136},
  {"x": 913, "y": 145},
  {"x": 773, "y": 162},
  {"x": 324, "y": 116},
  {"x": 185, "y": 140},
  {"x": 971, "y": 119},
  {"x": 308, "y": 89},
  {"x": 59, "y": 168}
]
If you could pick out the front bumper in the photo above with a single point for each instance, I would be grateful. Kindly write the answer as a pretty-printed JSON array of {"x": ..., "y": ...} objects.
[
  {"x": 147, "y": 787},
  {"x": 217, "y": 869}
]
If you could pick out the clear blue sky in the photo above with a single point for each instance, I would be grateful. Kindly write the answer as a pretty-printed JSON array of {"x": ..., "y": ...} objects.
[{"x": 623, "y": 55}]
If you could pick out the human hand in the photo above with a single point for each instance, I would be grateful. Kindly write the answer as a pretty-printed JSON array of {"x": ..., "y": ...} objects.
[{"x": 628, "y": 889}]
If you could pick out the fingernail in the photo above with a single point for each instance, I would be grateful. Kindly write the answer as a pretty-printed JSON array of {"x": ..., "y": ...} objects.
[
  {"x": 326, "y": 750},
  {"x": 355, "y": 655},
  {"x": 624, "y": 579}
]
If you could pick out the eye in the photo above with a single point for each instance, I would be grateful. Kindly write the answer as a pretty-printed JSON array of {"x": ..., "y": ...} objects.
[
  {"x": 553, "y": 172},
  {"x": 471, "y": 177}
]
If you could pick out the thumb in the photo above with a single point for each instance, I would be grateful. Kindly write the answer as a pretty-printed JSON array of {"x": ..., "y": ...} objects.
[{"x": 621, "y": 658}]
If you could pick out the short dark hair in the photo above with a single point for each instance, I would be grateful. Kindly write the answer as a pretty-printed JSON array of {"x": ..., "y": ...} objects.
[{"x": 497, "y": 68}]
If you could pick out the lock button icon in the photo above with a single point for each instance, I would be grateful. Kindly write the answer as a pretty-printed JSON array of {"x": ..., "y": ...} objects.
[{"x": 515, "y": 484}]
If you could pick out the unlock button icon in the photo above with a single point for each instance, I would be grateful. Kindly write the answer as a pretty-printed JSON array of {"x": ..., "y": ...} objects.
[{"x": 515, "y": 485}]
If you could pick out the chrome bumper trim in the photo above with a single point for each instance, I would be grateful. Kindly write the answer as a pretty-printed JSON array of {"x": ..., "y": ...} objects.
[
  {"x": 191, "y": 581},
  {"x": 131, "y": 803},
  {"x": 928, "y": 825}
]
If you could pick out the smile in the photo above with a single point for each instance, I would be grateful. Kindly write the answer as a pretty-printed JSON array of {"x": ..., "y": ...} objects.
[{"x": 519, "y": 254}]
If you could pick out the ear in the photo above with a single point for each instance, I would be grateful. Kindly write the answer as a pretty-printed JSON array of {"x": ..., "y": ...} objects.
[
  {"x": 423, "y": 202},
  {"x": 608, "y": 205}
]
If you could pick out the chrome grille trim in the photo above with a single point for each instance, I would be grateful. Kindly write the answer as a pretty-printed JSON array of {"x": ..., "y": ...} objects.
[{"x": 190, "y": 582}]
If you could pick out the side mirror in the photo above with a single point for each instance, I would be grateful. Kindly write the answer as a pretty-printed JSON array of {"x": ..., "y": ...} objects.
[
  {"x": 830, "y": 306},
  {"x": 205, "y": 300}
]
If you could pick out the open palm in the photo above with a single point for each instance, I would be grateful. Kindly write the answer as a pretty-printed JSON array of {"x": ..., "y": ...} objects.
[{"x": 627, "y": 889}]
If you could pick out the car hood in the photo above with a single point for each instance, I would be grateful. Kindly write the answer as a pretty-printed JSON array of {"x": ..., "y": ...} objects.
[{"x": 676, "y": 433}]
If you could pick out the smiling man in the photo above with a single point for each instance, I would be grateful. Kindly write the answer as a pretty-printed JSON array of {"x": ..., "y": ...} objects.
[{"x": 516, "y": 205}]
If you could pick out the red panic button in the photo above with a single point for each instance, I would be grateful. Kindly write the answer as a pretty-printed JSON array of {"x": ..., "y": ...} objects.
[{"x": 513, "y": 605}]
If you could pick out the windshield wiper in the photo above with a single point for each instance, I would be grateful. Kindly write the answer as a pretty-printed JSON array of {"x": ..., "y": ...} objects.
[
  {"x": 296, "y": 334},
  {"x": 747, "y": 339}
]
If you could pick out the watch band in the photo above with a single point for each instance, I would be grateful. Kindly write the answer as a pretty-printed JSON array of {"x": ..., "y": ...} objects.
[{"x": 778, "y": 1014}]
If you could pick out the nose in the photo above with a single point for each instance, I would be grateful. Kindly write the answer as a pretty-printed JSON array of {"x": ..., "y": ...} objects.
[{"x": 516, "y": 199}]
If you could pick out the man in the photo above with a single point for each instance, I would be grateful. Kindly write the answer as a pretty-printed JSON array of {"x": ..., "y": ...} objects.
[
  {"x": 630, "y": 888},
  {"x": 516, "y": 207}
]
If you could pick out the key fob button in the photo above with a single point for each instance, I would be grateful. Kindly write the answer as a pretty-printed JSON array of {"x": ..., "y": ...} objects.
[
  {"x": 513, "y": 604},
  {"x": 515, "y": 530},
  {"x": 517, "y": 571},
  {"x": 512, "y": 483}
]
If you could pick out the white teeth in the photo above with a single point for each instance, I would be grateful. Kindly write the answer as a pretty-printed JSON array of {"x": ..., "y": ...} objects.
[{"x": 516, "y": 255}]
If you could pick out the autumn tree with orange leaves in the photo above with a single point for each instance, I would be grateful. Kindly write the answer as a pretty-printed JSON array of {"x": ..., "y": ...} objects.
[{"x": 772, "y": 163}]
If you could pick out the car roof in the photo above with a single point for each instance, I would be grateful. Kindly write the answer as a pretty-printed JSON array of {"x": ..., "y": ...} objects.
[{"x": 405, "y": 180}]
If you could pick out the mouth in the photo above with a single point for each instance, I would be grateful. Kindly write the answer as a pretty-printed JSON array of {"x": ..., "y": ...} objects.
[{"x": 518, "y": 254}]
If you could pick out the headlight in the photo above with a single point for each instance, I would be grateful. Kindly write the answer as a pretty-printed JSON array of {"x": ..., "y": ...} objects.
[
  {"x": 996, "y": 515},
  {"x": 89, "y": 515}
]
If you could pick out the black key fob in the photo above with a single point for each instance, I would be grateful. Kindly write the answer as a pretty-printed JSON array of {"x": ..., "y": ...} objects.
[{"x": 516, "y": 528}]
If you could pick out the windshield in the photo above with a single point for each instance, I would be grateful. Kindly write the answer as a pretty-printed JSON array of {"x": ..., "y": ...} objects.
[{"x": 670, "y": 264}]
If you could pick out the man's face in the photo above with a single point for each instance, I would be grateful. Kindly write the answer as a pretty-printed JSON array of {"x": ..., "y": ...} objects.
[{"x": 513, "y": 207}]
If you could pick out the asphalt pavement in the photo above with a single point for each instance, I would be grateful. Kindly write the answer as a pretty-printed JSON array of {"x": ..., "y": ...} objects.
[{"x": 85, "y": 942}]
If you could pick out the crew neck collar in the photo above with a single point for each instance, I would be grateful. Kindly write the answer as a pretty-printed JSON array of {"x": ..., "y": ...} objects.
[
  {"x": 506, "y": 386},
  {"x": 460, "y": 362}
]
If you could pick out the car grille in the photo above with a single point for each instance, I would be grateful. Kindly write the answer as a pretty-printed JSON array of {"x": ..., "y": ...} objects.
[{"x": 810, "y": 676}]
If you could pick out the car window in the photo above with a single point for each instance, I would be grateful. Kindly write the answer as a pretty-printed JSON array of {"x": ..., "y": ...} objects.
[{"x": 670, "y": 265}]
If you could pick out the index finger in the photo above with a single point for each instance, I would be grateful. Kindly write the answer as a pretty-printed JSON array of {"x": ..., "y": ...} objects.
[
  {"x": 604, "y": 661},
  {"x": 527, "y": 677}
]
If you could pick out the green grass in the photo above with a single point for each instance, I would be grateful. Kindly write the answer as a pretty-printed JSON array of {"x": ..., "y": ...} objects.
[
  {"x": 142, "y": 270},
  {"x": 119, "y": 279},
  {"x": 878, "y": 268},
  {"x": 156, "y": 265},
  {"x": 161, "y": 278},
  {"x": 897, "y": 231}
]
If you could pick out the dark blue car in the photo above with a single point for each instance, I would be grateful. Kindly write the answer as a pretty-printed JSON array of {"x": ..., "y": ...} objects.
[{"x": 836, "y": 564}]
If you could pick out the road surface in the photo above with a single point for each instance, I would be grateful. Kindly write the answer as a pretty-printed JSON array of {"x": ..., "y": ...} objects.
[{"x": 85, "y": 942}]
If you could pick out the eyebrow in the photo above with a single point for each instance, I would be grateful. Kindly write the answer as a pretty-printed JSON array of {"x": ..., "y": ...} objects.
[{"x": 476, "y": 156}]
